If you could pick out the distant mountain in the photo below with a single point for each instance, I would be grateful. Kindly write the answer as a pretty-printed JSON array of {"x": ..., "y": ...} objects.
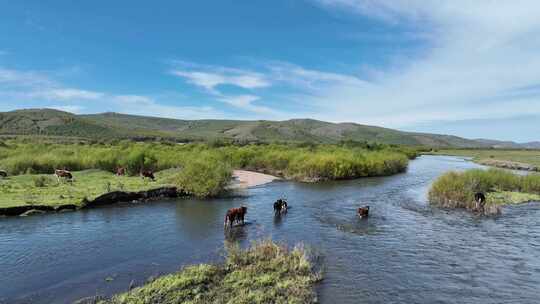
[
  {"x": 113, "y": 125},
  {"x": 509, "y": 144}
]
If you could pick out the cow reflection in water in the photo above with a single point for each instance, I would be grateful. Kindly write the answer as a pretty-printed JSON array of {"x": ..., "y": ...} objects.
[{"x": 236, "y": 234}]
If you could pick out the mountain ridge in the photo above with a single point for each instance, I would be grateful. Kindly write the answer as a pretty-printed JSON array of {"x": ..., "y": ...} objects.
[{"x": 116, "y": 125}]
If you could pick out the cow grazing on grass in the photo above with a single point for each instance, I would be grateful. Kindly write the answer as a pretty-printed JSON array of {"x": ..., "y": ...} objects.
[
  {"x": 148, "y": 174},
  {"x": 120, "y": 171},
  {"x": 235, "y": 215},
  {"x": 363, "y": 212},
  {"x": 3, "y": 174},
  {"x": 280, "y": 206},
  {"x": 63, "y": 174}
]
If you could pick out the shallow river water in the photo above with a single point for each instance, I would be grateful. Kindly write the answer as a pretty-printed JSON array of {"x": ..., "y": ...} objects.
[{"x": 406, "y": 252}]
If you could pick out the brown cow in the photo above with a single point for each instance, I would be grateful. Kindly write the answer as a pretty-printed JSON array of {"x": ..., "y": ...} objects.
[
  {"x": 120, "y": 171},
  {"x": 3, "y": 174},
  {"x": 235, "y": 215},
  {"x": 149, "y": 174},
  {"x": 363, "y": 211},
  {"x": 65, "y": 174}
]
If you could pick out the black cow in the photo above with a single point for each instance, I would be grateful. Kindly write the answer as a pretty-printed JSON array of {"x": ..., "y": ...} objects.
[
  {"x": 280, "y": 206},
  {"x": 480, "y": 200}
]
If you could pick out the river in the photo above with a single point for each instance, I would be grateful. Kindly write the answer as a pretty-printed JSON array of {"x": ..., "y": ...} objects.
[{"x": 405, "y": 252}]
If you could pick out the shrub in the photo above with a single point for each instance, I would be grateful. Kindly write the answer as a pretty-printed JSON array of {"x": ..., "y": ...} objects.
[
  {"x": 204, "y": 176},
  {"x": 457, "y": 189}
]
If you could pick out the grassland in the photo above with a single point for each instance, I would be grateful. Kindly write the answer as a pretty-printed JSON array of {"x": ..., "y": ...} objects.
[
  {"x": 457, "y": 189},
  {"x": 264, "y": 273},
  {"x": 45, "y": 189},
  {"x": 499, "y": 158},
  {"x": 197, "y": 169}
]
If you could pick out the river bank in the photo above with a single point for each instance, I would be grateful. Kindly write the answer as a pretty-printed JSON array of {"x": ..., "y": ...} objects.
[
  {"x": 406, "y": 252},
  {"x": 263, "y": 273},
  {"x": 500, "y": 187},
  {"x": 524, "y": 160},
  {"x": 243, "y": 179}
]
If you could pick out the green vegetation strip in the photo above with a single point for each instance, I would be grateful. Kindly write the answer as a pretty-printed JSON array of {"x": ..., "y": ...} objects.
[
  {"x": 197, "y": 169},
  {"x": 43, "y": 189},
  {"x": 457, "y": 189},
  {"x": 264, "y": 273},
  {"x": 510, "y": 159}
]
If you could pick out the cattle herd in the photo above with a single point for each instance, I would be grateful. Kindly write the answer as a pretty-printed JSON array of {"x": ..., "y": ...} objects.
[
  {"x": 64, "y": 174},
  {"x": 237, "y": 215}
]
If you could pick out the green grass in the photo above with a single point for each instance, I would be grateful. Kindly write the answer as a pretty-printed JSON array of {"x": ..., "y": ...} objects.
[
  {"x": 264, "y": 273},
  {"x": 201, "y": 169},
  {"x": 291, "y": 161},
  {"x": 457, "y": 189},
  {"x": 508, "y": 197},
  {"x": 531, "y": 157},
  {"x": 44, "y": 189}
]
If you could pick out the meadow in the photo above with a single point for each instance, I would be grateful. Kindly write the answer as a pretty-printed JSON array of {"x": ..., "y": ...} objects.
[
  {"x": 264, "y": 273},
  {"x": 457, "y": 189},
  {"x": 200, "y": 169},
  {"x": 497, "y": 157}
]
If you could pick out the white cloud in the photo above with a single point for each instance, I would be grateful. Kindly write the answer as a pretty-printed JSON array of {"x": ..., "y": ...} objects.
[
  {"x": 26, "y": 89},
  {"x": 210, "y": 77},
  {"x": 245, "y": 102},
  {"x": 147, "y": 106},
  {"x": 67, "y": 94},
  {"x": 68, "y": 108},
  {"x": 479, "y": 52}
]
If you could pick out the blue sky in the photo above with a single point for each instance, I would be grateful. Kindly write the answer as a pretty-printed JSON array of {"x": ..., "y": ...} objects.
[{"x": 468, "y": 68}]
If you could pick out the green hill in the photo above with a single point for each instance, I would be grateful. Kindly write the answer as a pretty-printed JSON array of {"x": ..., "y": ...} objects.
[{"x": 113, "y": 125}]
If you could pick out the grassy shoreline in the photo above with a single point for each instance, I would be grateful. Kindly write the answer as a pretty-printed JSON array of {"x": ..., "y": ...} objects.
[
  {"x": 263, "y": 273},
  {"x": 526, "y": 160},
  {"x": 200, "y": 170},
  {"x": 46, "y": 190},
  {"x": 457, "y": 189}
]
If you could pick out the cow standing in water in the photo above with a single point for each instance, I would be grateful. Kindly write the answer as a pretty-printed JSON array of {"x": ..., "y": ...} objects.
[
  {"x": 64, "y": 174},
  {"x": 480, "y": 200},
  {"x": 235, "y": 215},
  {"x": 148, "y": 174},
  {"x": 120, "y": 171},
  {"x": 280, "y": 206},
  {"x": 363, "y": 212}
]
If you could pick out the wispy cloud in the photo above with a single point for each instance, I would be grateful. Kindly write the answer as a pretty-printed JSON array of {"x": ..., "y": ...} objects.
[
  {"x": 66, "y": 94},
  {"x": 68, "y": 108},
  {"x": 479, "y": 51},
  {"x": 210, "y": 77},
  {"x": 246, "y": 102},
  {"x": 39, "y": 89},
  {"x": 148, "y": 106}
]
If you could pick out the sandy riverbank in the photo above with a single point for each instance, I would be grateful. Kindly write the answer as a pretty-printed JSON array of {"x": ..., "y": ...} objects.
[{"x": 247, "y": 179}]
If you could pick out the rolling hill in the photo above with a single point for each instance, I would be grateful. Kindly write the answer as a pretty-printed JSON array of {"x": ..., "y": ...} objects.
[{"x": 113, "y": 125}]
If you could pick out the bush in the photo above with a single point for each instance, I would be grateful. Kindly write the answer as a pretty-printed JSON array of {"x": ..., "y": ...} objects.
[
  {"x": 204, "y": 176},
  {"x": 457, "y": 189}
]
